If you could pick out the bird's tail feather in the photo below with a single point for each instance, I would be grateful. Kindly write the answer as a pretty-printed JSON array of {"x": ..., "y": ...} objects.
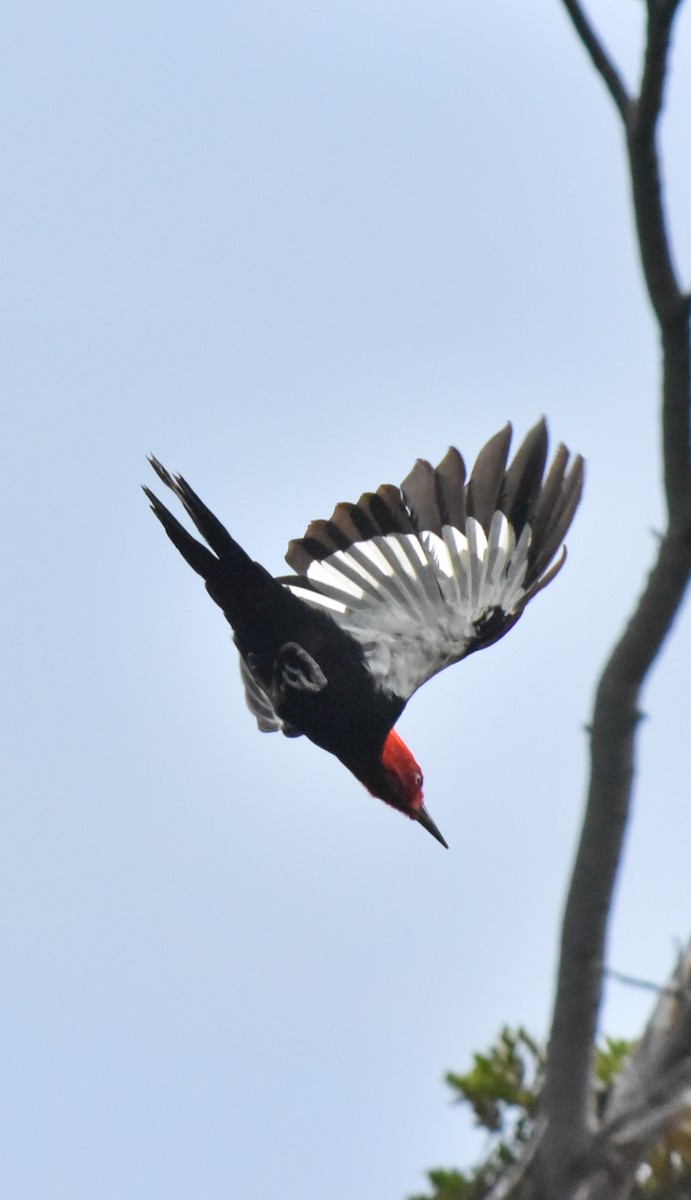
[
  {"x": 214, "y": 533},
  {"x": 233, "y": 580},
  {"x": 199, "y": 558}
]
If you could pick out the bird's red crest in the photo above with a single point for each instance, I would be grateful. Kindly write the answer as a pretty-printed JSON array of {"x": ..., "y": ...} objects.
[{"x": 400, "y": 764}]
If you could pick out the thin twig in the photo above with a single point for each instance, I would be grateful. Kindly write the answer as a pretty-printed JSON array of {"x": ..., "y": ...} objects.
[
  {"x": 516, "y": 1173},
  {"x": 599, "y": 57},
  {"x": 632, "y": 981}
]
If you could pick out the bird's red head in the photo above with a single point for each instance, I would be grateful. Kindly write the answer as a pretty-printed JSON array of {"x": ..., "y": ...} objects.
[
  {"x": 402, "y": 774},
  {"x": 400, "y": 783}
]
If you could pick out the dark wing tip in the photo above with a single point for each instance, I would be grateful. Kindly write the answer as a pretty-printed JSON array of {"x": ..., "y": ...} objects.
[
  {"x": 431, "y": 498},
  {"x": 522, "y": 484},
  {"x": 555, "y": 508},
  {"x": 420, "y": 493},
  {"x": 487, "y": 477}
]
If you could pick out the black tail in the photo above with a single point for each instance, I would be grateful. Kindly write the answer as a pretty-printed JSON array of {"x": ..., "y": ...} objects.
[
  {"x": 199, "y": 558},
  {"x": 231, "y": 576}
]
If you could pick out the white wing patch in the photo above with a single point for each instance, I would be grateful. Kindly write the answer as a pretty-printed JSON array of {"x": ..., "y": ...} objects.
[{"x": 414, "y": 602}]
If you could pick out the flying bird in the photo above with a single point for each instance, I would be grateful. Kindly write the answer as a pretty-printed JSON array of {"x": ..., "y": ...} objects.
[{"x": 385, "y": 594}]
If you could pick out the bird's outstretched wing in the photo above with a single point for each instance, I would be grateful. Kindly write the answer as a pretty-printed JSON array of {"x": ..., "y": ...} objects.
[{"x": 425, "y": 574}]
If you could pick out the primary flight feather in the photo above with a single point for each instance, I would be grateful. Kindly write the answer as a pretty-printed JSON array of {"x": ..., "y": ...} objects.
[{"x": 385, "y": 594}]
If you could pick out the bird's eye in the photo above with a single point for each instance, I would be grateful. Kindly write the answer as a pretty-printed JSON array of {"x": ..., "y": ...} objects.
[{"x": 417, "y": 779}]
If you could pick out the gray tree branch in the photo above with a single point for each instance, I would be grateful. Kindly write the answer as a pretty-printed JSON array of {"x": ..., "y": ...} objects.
[
  {"x": 599, "y": 57},
  {"x": 658, "y": 1071},
  {"x": 565, "y": 1157},
  {"x": 651, "y": 1094}
]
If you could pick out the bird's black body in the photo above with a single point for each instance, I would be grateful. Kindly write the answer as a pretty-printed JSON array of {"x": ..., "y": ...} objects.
[
  {"x": 385, "y": 594},
  {"x": 347, "y": 715}
]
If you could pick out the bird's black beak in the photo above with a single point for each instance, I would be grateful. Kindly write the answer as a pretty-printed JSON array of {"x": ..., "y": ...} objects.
[{"x": 428, "y": 824}]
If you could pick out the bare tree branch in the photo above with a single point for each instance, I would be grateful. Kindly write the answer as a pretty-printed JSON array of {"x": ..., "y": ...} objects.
[
  {"x": 651, "y": 1094},
  {"x": 658, "y": 1071},
  {"x": 512, "y": 1179},
  {"x": 600, "y": 59},
  {"x": 633, "y": 981},
  {"x": 568, "y": 1101},
  {"x": 660, "y": 277},
  {"x": 670, "y": 305},
  {"x": 661, "y": 14}
]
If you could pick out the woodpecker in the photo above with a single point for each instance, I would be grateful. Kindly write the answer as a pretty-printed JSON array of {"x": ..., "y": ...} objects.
[{"x": 385, "y": 594}]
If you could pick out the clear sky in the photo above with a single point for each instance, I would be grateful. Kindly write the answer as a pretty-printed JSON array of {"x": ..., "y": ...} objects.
[{"x": 289, "y": 247}]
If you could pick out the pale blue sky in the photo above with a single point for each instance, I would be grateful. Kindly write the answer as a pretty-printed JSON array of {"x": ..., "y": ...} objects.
[{"x": 289, "y": 248}]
